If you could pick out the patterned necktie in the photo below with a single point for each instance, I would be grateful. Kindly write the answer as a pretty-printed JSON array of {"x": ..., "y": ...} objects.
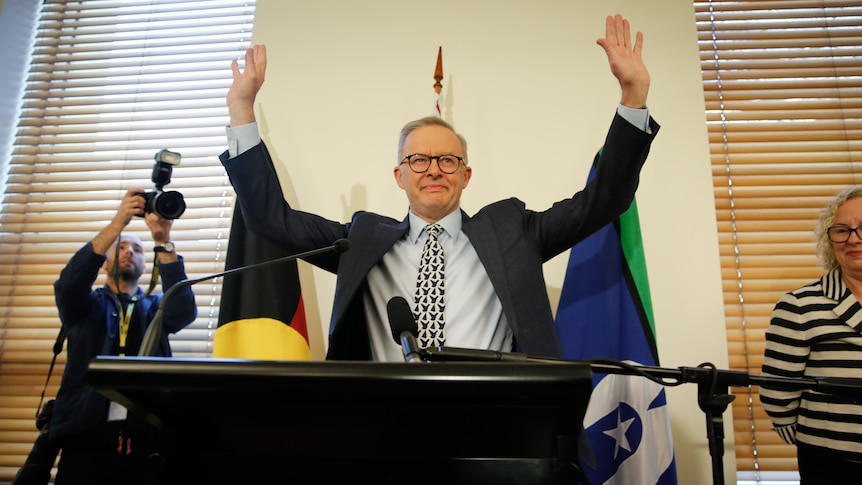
[{"x": 429, "y": 291}]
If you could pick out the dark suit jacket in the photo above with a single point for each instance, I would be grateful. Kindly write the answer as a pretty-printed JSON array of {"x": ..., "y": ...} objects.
[{"x": 512, "y": 242}]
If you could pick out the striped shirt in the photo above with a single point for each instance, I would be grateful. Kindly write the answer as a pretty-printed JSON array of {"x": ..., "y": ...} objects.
[{"x": 816, "y": 331}]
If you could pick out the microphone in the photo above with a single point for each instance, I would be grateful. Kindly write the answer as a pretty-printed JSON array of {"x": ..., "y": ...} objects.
[
  {"x": 154, "y": 331},
  {"x": 404, "y": 329}
]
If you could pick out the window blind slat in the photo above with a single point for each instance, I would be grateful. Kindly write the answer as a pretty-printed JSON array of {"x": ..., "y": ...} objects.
[
  {"x": 782, "y": 98},
  {"x": 110, "y": 84}
]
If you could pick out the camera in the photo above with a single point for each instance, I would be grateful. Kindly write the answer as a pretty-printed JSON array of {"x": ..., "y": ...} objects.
[
  {"x": 170, "y": 204},
  {"x": 43, "y": 419}
]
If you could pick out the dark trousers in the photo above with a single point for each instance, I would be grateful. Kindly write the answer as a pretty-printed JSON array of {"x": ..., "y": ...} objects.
[
  {"x": 820, "y": 466},
  {"x": 109, "y": 455},
  {"x": 37, "y": 469}
]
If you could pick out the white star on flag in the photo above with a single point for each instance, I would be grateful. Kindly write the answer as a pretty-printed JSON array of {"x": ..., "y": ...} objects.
[{"x": 619, "y": 433}]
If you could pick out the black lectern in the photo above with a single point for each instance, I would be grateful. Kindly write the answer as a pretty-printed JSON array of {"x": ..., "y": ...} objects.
[{"x": 241, "y": 421}]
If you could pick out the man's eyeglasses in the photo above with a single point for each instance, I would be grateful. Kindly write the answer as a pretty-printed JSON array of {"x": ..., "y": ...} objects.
[
  {"x": 840, "y": 234},
  {"x": 420, "y": 163}
]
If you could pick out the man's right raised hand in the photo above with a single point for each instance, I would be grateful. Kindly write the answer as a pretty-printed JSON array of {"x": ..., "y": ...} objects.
[{"x": 246, "y": 84}]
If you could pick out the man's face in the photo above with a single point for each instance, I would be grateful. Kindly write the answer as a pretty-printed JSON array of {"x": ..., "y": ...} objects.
[
  {"x": 432, "y": 194},
  {"x": 130, "y": 258}
]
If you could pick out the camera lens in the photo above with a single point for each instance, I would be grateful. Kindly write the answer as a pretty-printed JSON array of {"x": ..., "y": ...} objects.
[{"x": 169, "y": 205}]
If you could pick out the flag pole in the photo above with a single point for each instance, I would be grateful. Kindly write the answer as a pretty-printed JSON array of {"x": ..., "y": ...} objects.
[
  {"x": 438, "y": 71},
  {"x": 438, "y": 86}
]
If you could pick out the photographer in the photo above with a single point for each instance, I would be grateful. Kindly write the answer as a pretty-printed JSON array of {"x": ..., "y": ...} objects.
[{"x": 99, "y": 444}]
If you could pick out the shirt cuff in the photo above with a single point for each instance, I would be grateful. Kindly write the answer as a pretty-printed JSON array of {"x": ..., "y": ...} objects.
[
  {"x": 787, "y": 433},
  {"x": 241, "y": 138},
  {"x": 636, "y": 116}
]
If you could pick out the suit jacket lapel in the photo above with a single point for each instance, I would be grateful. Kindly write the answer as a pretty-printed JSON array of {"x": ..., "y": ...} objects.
[{"x": 367, "y": 247}]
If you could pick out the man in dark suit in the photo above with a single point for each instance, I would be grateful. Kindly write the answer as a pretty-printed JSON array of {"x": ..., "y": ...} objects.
[{"x": 495, "y": 295}]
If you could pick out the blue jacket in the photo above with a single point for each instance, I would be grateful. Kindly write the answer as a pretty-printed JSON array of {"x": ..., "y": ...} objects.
[{"x": 91, "y": 320}]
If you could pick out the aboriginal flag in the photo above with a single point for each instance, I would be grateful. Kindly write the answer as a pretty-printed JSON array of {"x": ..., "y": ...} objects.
[{"x": 261, "y": 315}]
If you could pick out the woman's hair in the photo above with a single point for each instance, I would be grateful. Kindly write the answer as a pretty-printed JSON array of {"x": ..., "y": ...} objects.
[{"x": 825, "y": 249}]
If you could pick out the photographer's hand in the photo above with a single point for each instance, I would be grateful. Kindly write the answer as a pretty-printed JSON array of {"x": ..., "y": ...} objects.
[
  {"x": 131, "y": 206},
  {"x": 160, "y": 228}
]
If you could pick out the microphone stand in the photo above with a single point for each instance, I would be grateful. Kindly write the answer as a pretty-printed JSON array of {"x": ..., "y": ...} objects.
[
  {"x": 154, "y": 331},
  {"x": 712, "y": 385},
  {"x": 713, "y": 397}
]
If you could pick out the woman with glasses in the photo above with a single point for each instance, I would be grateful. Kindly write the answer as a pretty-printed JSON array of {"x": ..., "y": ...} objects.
[{"x": 815, "y": 333}]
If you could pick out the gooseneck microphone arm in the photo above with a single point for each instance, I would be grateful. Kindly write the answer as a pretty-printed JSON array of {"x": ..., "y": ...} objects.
[{"x": 154, "y": 331}]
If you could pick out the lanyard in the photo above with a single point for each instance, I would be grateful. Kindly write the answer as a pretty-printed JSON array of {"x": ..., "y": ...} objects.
[
  {"x": 125, "y": 320},
  {"x": 126, "y": 315}
]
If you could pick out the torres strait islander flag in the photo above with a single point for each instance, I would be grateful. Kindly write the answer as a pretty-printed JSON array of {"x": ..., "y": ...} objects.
[{"x": 605, "y": 312}]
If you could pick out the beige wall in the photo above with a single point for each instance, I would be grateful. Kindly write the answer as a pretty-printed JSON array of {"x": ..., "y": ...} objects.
[{"x": 532, "y": 93}]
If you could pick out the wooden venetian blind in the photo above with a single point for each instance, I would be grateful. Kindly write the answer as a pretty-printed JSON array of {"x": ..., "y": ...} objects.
[
  {"x": 111, "y": 82},
  {"x": 783, "y": 92}
]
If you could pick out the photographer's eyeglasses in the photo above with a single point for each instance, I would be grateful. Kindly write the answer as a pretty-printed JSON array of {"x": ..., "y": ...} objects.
[
  {"x": 841, "y": 234},
  {"x": 420, "y": 163}
]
